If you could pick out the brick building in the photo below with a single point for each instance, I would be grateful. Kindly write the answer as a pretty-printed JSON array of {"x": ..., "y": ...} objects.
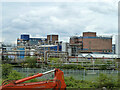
[
  {"x": 91, "y": 43},
  {"x": 52, "y": 39}
]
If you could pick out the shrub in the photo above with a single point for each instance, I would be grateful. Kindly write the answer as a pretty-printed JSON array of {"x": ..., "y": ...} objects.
[
  {"x": 102, "y": 81},
  {"x": 54, "y": 60},
  {"x": 14, "y": 75},
  {"x": 105, "y": 81},
  {"x": 73, "y": 83}
]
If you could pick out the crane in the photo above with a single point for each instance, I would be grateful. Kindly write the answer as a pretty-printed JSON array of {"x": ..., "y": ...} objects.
[{"x": 57, "y": 83}]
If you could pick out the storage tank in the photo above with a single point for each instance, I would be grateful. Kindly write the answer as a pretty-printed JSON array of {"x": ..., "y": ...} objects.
[{"x": 25, "y": 36}]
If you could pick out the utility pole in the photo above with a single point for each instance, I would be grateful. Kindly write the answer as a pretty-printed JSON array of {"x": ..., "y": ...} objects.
[{"x": 44, "y": 52}]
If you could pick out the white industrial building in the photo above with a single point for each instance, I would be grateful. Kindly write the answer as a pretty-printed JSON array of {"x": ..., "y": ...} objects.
[
  {"x": 66, "y": 48},
  {"x": 117, "y": 43},
  {"x": 111, "y": 56}
]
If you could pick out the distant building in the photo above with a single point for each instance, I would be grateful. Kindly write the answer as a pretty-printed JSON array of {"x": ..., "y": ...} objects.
[
  {"x": 7, "y": 51},
  {"x": 90, "y": 43},
  {"x": 26, "y": 45},
  {"x": 25, "y": 40},
  {"x": 52, "y": 39}
]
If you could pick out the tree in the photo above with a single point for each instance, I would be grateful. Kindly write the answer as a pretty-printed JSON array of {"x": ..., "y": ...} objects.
[
  {"x": 31, "y": 61},
  {"x": 6, "y": 69}
]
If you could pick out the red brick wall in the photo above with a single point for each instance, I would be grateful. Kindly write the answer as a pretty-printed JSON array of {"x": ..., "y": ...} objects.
[
  {"x": 54, "y": 37},
  {"x": 95, "y": 43}
]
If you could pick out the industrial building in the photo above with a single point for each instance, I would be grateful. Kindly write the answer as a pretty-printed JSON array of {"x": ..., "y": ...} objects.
[
  {"x": 25, "y": 40},
  {"x": 89, "y": 43},
  {"x": 26, "y": 45}
]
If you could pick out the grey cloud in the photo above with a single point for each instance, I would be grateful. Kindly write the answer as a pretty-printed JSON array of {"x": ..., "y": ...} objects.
[
  {"x": 104, "y": 8},
  {"x": 65, "y": 21}
]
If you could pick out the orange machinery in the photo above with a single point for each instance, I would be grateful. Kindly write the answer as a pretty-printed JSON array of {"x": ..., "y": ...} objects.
[{"x": 57, "y": 83}]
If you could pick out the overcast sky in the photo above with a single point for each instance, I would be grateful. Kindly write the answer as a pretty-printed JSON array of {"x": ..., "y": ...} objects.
[{"x": 63, "y": 18}]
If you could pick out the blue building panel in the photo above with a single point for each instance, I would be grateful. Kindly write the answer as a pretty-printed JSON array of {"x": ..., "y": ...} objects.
[
  {"x": 25, "y": 37},
  {"x": 52, "y": 48},
  {"x": 85, "y": 48},
  {"x": 60, "y": 48},
  {"x": 21, "y": 54}
]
